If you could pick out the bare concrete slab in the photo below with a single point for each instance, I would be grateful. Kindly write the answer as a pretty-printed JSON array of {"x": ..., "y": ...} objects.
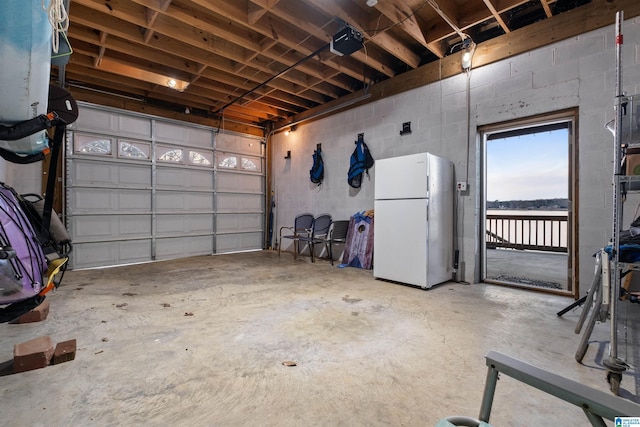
[{"x": 253, "y": 339}]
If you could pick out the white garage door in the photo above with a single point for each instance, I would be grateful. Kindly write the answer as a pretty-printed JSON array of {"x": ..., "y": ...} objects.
[{"x": 140, "y": 188}]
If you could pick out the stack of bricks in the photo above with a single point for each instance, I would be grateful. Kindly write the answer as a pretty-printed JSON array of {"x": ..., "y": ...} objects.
[
  {"x": 38, "y": 314},
  {"x": 39, "y": 353}
]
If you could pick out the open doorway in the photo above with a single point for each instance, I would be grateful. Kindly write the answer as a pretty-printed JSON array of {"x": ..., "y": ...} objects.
[{"x": 529, "y": 207}]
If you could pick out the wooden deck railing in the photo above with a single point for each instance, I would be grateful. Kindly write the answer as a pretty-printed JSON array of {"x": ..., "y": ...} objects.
[{"x": 535, "y": 232}]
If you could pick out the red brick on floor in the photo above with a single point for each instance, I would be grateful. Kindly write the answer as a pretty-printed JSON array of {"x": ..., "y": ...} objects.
[
  {"x": 65, "y": 352},
  {"x": 33, "y": 354},
  {"x": 38, "y": 314}
]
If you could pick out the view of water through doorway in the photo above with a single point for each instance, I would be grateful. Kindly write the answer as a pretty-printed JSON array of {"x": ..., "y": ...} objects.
[{"x": 528, "y": 205}]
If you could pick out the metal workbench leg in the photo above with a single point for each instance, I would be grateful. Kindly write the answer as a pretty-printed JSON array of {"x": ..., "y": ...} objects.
[
  {"x": 584, "y": 340},
  {"x": 489, "y": 392},
  {"x": 595, "y": 285},
  {"x": 595, "y": 420}
]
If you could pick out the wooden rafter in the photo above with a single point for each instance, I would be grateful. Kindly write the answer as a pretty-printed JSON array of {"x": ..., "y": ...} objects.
[{"x": 271, "y": 51}]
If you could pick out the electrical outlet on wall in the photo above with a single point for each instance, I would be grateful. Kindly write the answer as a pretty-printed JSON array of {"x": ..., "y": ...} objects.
[{"x": 461, "y": 186}]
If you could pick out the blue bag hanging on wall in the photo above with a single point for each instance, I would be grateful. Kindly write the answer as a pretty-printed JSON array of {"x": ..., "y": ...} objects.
[
  {"x": 316, "y": 173},
  {"x": 361, "y": 161}
]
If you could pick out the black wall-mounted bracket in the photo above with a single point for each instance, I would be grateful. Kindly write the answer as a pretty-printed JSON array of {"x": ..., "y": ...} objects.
[
  {"x": 288, "y": 156},
  {"x": 406, "y": 129}
]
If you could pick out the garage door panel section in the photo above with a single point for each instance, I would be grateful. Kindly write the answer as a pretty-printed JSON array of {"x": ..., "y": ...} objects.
[
  {"x": 180, "y": 247},
  {"x": 180, "y": 179},
  {"x": 105, "y": 200},
  {"x": 184, "y": 135},
  {"x": 100, "y": 254},
  {"x": 238, "y": 242},
  {"x": 239, "y": 203},
  {"x": 172, "y": 225},
  {"x": 240, "y": 187},
  {"x": 96, "y": 174},
  {"x": 108, "y": 227},
  {"x": 112, "y": 123},
  {"x": 238, "y": 144},
  {"x": 235, "y": 223},
  {"x": 170, "y": 201},
  {"x": 239, "y": 183}
]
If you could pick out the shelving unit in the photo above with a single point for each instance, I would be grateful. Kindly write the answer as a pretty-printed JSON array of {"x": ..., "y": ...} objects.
[{"x": 604, "y": 295}]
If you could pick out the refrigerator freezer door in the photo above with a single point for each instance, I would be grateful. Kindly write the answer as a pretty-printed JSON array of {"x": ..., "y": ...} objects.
[
  {"x": 403, "y": 177},
  {"x": 400, "y": 241}
]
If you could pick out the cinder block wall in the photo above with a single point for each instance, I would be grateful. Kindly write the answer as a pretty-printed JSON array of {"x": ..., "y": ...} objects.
[
  {"x": 578, "y": 72},
  {"x": 24, "y": 179}
]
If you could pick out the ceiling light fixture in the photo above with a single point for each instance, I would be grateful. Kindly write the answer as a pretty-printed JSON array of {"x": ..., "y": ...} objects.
[
  {"x": 372, "y": 3},
  {"x": 468, "y": 49}
]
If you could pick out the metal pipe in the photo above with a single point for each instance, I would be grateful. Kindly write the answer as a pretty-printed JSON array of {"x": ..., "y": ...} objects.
[
  {"x": 617, "y": 209},
  {"x": 270, "y": 79},
  {"x": 323, "y": 112}
]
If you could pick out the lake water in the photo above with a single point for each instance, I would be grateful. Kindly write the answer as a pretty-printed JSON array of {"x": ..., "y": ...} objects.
[{"x": 558, "y": 212}]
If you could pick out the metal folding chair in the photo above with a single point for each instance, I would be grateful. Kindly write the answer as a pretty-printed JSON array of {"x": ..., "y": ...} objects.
[
  {"x": 319, "y": 233},
  {"x": 302, "y": 229},
  {"x": 337, "y": 235}
]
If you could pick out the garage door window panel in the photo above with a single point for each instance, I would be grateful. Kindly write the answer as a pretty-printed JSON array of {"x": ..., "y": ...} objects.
[
  {"x": 251, "y": 164},
  {"x": 170, "y": 154},
  {"x": 227, "y": 161},
  {"x": 200, "y": 158},
  {"x": 93, "y": 145},
  {"x": 133, "y": 150}
]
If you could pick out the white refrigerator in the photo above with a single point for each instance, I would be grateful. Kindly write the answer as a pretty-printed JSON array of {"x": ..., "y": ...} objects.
[{"x": 413, "y": 234}]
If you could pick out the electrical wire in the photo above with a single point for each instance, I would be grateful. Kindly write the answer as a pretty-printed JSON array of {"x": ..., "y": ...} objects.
[
  {"x": 272, "y": 62},
  {"x": 270, "y": 79}
]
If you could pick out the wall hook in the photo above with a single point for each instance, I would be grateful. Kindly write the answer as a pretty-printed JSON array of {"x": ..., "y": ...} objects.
[
  {"x": 406, "y": 128},
  {"x": 288, "y": 156}
]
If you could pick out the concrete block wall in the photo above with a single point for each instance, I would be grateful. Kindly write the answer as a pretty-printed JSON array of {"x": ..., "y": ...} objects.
[
  {"x": 577, "y": 72},
  {"x": 25, "y": 179}
]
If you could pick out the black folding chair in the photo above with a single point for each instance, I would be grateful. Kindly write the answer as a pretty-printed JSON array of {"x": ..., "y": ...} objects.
[
  {"x": 302, "y": 228},
  {"x": 337, "y": 235},
  {"x": 319, "y": 233}
]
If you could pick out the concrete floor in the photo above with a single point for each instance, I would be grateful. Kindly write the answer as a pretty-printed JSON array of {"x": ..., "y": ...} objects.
[
  {"x": 202, "y": 341},
  {"x": 545, "y": 268}
]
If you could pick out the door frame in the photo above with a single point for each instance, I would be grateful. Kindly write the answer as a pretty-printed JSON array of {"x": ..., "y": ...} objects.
[{"x": 573, "y": 263}]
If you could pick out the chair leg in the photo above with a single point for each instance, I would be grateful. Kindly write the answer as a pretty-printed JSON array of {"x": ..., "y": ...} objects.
[
  {"x": 295, "y": 248},
  {"x": 312, "y": 251},
  {"x": 330, "y": 246}
]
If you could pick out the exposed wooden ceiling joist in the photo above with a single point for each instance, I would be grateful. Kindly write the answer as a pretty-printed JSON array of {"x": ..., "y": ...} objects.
[{"x": 227, "y": 50}]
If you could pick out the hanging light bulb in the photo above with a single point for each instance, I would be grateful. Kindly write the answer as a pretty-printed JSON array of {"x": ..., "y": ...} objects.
[{"x": 468, "y": 48}]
